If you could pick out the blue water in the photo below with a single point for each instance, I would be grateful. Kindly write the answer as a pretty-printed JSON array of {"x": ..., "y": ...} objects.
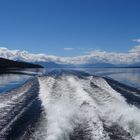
[
  {"x": 17, "y": 77},
  {"x": 83, "y": 104},
  {"x": 128, "y": 76},
  {"x": 10, "y": 81}
]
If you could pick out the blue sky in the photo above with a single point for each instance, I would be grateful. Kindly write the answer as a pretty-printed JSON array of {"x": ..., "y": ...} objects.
[{"x": 69, "y": 27}]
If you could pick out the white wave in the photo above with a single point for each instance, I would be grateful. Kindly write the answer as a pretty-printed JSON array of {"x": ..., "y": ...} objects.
[
  {"x": 11, "y": 103},
  {"x": 67, "y": 105},
  {"x": 113, "y": 108},
  {"x": 59, "y": 112},
  {"x": 69, "y": 102}
]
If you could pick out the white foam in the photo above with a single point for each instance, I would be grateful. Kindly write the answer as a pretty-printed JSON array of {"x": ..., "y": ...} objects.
[
  {"x": 113, "y": 107},
  {"x": 70, "y": 101},
  {"x": 59, "y": 111},
  {"x": 67, "y": 106}
]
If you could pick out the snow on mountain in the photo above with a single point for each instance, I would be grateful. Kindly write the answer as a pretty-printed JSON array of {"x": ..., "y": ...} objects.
[
  {"x": 132, "y": 56},
  {"x": 25, "y": 56}
]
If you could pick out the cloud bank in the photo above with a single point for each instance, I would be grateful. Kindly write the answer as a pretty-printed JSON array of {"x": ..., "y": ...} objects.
[{"x": 97, "y": 56}]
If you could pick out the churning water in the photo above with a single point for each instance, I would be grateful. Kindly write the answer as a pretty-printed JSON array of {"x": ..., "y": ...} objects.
[{"x": 70, "y": 105}]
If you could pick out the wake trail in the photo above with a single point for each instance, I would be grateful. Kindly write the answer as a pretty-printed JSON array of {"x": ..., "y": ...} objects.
[
  {"x": 13, "y": 105},
  {"x": 84, "y": 108},
  {"x": 68, "y": 106}
]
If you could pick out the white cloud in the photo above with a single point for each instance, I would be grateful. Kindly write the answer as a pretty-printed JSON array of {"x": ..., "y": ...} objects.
[
  {"x": 136, "y": 40},
  {"x": 68, "y": 49},
  {"x": 135, "y": 49},
  {"x": 132, "y": 56}
]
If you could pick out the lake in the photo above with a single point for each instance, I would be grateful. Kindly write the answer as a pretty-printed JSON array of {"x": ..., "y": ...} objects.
[
  {"x": 10, "y": 81},
  {"x": 74, "y": 104},
  {"x": 16, "y": 77},
  {"x": 128, "y": 76}
]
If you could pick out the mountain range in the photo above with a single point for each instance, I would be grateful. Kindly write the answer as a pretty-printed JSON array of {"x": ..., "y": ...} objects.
[{"x": 93, "y": 59}]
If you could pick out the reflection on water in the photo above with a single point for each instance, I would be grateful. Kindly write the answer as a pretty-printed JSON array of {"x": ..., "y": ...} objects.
[
  {"x": 28, "y": 71},
  {"x": 9, "y": 81},
  {"x": 133, "y": 79},
  {"x": 129, "y": 76},
  {"x": 16, "y": 77}
]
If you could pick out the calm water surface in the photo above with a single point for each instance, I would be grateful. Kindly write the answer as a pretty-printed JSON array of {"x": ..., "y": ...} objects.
[
  {"x": 9, "y": 81},
  {"x": 129, "y": 76},
  {"x": 16, "y": 77}
]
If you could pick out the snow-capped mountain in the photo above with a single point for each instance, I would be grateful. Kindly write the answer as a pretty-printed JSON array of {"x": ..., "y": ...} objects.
[
  {"x": 132, "y": 56},
  {"x": 26, "y": 56}
]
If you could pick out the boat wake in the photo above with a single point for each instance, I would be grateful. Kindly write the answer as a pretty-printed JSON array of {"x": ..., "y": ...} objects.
[{"x": 78, "y": 106}]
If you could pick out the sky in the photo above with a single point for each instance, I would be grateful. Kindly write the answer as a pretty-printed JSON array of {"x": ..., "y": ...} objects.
[{"x": 69, "y": 27}]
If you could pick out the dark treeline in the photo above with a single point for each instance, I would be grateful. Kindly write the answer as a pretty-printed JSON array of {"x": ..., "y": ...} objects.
[{"x": 7, "y": 64}]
